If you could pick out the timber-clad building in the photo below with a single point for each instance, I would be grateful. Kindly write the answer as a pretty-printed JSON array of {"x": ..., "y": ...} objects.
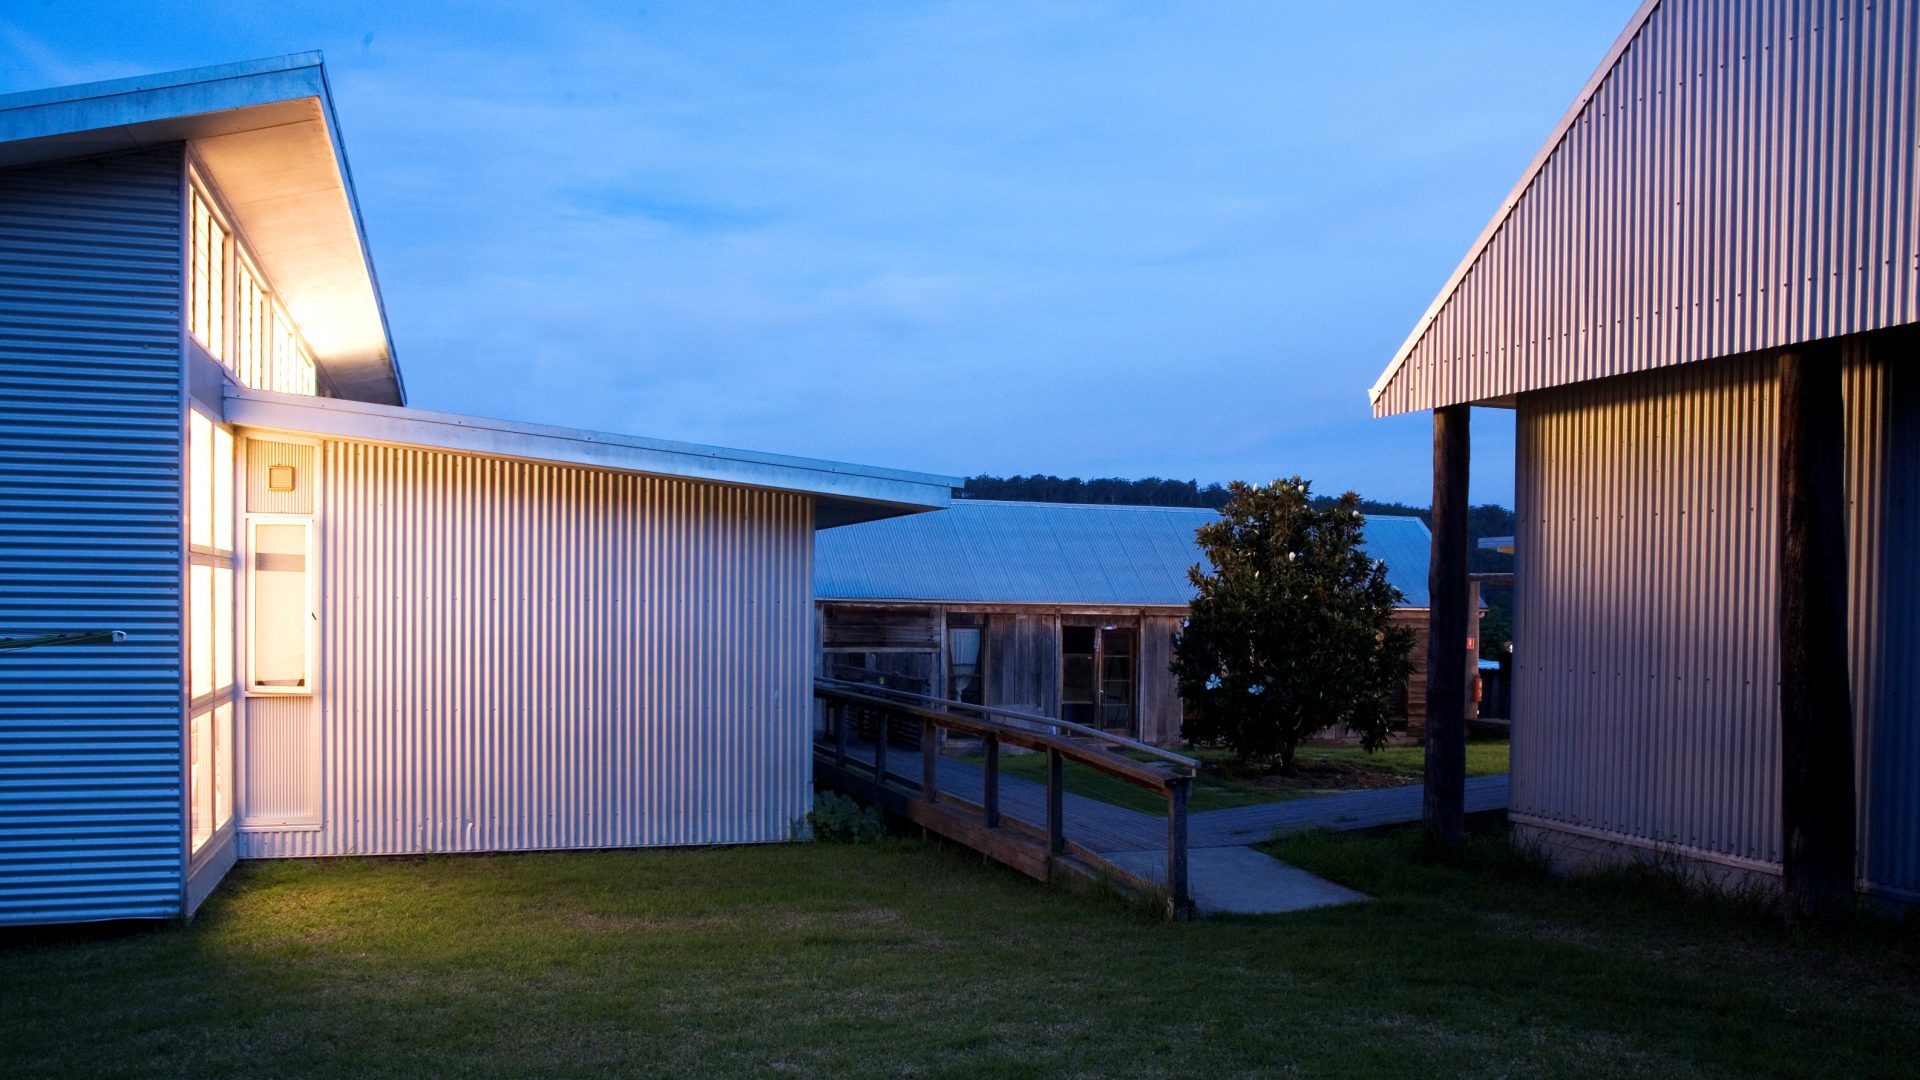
[{"x": 1063, "y": 610}]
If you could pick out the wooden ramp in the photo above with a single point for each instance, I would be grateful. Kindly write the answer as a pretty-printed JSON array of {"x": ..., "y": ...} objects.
[{"x": 870, "y": 739}]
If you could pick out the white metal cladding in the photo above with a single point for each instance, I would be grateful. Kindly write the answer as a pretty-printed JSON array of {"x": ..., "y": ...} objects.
[
  {"x": 1742, "y": 178},
  {"x": 1646, "y": 689},
  {"x": 90, "y": 519},
  {"x": 520, "y": 655}
]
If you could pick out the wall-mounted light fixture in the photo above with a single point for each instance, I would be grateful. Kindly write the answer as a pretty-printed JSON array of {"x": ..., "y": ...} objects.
[{"x": 279, "y": 478}]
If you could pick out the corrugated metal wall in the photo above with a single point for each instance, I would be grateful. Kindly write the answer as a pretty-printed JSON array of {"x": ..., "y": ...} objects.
[
  {"x": 1744, "y": 179},
  {"x": 1646, "y": 685},
  {"x": 90, "y": 506},
  {"x": 525, "y": 656}
]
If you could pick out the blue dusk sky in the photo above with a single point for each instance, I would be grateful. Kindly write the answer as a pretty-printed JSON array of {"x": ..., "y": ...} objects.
[{"x": 1081, "y": 238}]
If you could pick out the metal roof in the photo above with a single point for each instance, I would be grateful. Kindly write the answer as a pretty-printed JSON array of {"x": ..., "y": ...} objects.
[
  {"x": 265, "y": 133},
  {"x": 843, "y": 493},
  {"x": 985, "y": 552},
  {"x": 1735, "y": 176}
]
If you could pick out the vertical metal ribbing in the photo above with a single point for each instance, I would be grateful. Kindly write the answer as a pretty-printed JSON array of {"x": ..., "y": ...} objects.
[{"x": 522, "y": 655}]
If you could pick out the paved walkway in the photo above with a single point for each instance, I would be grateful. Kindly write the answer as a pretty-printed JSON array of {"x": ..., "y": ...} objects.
[{"x": 1225, "y": 874}]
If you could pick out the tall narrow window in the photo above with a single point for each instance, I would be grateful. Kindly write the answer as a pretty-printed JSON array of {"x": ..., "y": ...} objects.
[
  {"x": 963, "y": 664},
  {"x": 282, "y": 618},
  {"x": 207, "y": 281},
  {"x": 209, "y": 644}
]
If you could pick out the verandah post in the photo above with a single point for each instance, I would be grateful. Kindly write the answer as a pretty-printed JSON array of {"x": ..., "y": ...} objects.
[
  {"x": 1817, "y": 826},
  {"x": 1443, "y": 807}
]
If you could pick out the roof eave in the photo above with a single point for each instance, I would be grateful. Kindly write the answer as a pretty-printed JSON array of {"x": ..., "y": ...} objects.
[{"x": 845, "y": 494}]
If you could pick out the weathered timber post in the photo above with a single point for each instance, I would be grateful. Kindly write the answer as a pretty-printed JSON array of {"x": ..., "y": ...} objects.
[
  {"x": 990, "y": 796},
  {"x": 1179, "y": 893},
  {"x": 880, "y": 725},
  {"x": 1816, "y": 717},
  {"x": 1444, "y": 803},
  {"x": 929, "y": 762},
  {"x": 1056, "y": 802}
]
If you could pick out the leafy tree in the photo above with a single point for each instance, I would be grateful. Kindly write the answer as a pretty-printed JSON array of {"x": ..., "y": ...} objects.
[{"x": 1289, "y": 635}]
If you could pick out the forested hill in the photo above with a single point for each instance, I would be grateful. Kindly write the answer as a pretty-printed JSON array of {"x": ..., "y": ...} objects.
[{"x": 1488, "y": 520}]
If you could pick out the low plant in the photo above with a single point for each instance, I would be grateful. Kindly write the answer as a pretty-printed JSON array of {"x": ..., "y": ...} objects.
[{"x": 838, "y": 819}]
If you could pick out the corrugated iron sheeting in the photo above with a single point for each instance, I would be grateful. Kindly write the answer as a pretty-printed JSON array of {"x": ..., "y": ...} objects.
[
  {"x": 1743, "y": 179},
  {"x": 1646, "y": 689},
  {"x": 90, "y": 520},
  {"x": 525, "y": 656},
  {"x": 984, "y": 551}
]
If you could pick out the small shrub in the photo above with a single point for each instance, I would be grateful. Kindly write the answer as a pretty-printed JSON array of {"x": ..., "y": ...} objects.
[{"x": 838, "y": 819}]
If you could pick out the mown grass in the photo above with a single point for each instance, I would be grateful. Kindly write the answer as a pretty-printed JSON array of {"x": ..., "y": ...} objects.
[
  {"x": 909, "y": 958},
  {"x": 1221, "y": 785}
]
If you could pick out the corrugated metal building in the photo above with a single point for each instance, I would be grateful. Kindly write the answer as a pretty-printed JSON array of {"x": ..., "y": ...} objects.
[
  {"x": 351, "y": 627},
  {"x": 1737, "y": 178},
  {"x": 1067, "y": 610}
]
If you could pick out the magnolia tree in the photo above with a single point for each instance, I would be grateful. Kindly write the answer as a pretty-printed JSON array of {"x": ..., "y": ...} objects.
[{"x": 1289, "y": 634}]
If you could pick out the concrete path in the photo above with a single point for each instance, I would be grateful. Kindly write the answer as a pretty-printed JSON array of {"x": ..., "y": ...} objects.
[
  {"x": 1240, "y": 881},
  {"x": 1347, "y": 810}
]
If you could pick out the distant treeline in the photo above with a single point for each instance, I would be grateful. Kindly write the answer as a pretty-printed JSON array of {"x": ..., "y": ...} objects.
[{"x": 1487, "y": 520}]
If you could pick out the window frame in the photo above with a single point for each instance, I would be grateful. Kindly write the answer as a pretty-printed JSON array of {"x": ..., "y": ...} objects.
[
  {"x": 213, "y": 701},
  {"x": 279, "y": 323},
  {"x": 310, "y": 596}
]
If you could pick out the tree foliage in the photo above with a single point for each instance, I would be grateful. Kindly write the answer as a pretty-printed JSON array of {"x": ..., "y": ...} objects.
[{"x": 1289, "y": 634}]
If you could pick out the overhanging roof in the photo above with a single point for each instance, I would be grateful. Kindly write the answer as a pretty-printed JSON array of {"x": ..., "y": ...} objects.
[
  {"x": 988, "y": 552},
  {"x": 845, "y": 494},
  {"x": 265, "y": 134}
]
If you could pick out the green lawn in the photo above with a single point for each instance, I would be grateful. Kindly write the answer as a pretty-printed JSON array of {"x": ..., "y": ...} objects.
[
  {"x": 1219, "y": 786},
  {"x": 909, "y": 958}
]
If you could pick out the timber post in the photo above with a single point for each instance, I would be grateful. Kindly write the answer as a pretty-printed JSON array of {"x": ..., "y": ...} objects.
[
  {"x": 990, "y": 783},
  {"x": 929, "y": 762},
  {"x": 1817, "y": 826},
  {"x": 1177, "y": 885},
  {"x": 1443, "y": 807},
  {"x": 1056, "y": 802}
]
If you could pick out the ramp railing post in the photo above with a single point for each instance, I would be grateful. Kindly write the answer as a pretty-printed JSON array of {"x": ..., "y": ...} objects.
[
  {"x": 929, "y": 761},
  {"x": 990, "y": 797},
  {"x": 1056, "y": 802},
  {"x": 1177, "y": 845}
]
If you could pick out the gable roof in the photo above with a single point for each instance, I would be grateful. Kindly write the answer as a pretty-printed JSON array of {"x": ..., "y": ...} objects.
[
  {"x": 1733, "y": 177},
  {"x": 265, "y": 134},
  {"x": 987, "y": 552}
]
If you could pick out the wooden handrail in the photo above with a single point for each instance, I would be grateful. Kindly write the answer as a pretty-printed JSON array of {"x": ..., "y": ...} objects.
[
  {"x": 1122, "y": 741},
  {"x": 1041, "y": 849},
  {"x": 1099, "y": 758}
]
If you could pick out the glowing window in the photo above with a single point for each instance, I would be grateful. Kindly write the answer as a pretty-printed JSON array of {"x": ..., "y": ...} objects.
[
  {"x": 209, "y": 645},
  {"x": 281, "y": 619},
  {"x": 207, "y": 282}
]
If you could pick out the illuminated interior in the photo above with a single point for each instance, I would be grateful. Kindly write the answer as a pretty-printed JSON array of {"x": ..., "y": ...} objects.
[
  {"x": 210, "y": 633},
  {"x": 233, "y": 312}
]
